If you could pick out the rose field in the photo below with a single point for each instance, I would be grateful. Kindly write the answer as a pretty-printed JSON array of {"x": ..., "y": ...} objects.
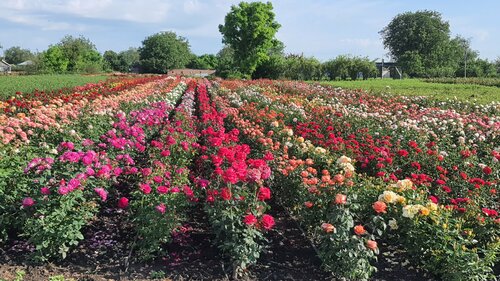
[{"x": 155, "y": 177}]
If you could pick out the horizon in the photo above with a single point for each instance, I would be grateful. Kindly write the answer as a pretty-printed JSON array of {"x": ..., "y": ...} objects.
[{"x": 327, "y": 28}]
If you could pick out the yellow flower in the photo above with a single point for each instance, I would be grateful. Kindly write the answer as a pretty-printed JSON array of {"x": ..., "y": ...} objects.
[
  {"x": 424, "y": 211},
  {"x": 432, "y": 206},
  {"x": 404, "y": 184},
  {"x": 445, "y": 226},
  {"x": 300, "y": 139},
  {"x": 401, "y": 200},
  {"x": 388, "y": 197}
]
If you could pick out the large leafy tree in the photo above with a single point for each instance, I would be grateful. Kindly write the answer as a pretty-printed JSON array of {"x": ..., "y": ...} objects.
[
  {"x": 164, "y": 51},
  {"x": 420, "y": 42},
  {"x": 250, "y": 29},
  {"x": 81, "y": 53},
  {"x": 53, "y": 60},
  {"x": 421, "y": 32},
  {"x": 15, "y": 55}
]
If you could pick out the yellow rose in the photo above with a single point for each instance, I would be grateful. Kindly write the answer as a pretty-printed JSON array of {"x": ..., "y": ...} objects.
[{"x": 424, "y": 211}]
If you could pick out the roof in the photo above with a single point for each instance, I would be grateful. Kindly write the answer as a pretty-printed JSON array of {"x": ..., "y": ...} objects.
[
  {"x": 28, "y": 62},
  {"x": 4, "y": 63}
]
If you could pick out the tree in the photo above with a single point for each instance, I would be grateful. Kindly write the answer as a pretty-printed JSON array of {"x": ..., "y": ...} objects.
[
  {"x": 16, "y": 55},
  {"x": 207, "y": 61},
  {"x": 81, "y": 53},
  {"x": 53, "y": 60},
  {"x": 497, "y": 64},
  {"x": 337, "y": 68},
  {"x": 420, "y": 32},
  {"x": 249, "y": 29},
  {"x": 420, "y": 42},
  {"x": 164, "y": 51},
  {"x": 299, "y": 67},
  {"x": 111, "y": 60},
  {"x": 226, "y": 67},
  {"x": 128, "y": 59}
]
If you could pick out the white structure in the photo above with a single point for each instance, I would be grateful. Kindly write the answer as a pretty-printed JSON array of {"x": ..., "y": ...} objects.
[{"x": 5, "y": 67}]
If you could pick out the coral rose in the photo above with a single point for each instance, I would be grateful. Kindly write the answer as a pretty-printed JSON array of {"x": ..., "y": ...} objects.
[
  {"x": 327, "y": 227},
  {"x": 379, "y": 207},
  {"x": 372, "y": 245},
  {"x": 359, "y": 230},
  {"x": 340, "y": 199}
]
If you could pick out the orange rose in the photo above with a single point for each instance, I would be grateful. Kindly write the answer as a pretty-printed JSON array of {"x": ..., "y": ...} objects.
[
  {"x": 359, "y": 230},
  {"x": 308, "y": 204},
  {"x": 340, "y": 199},
  {"x": 379, "y": 207},
  {"x": 371, "y": 245},
  {"x": 328, "y": 227}
]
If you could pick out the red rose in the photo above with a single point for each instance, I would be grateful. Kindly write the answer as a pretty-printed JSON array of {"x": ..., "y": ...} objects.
[
  {"x": 225, "y": 193},
  {"x": 267, "y": 222},
  {"x": 123, "y": 203},
  {"x": 487, "y": 170},
  {"x": 264, "y": 194},
  {"x": 250, "y": 219}
]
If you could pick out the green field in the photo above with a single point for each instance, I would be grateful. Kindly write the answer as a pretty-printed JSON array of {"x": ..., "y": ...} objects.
[
  {"x": 9, "y": 85},
  {"x": 415, "y": 87}
]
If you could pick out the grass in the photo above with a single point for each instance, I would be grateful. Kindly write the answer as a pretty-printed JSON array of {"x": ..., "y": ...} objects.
[
  {"x": 414, "y": 87},
  {"x": 9, "y": 85}
]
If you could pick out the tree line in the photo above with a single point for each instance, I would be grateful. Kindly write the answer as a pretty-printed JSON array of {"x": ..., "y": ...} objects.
[{"x": 419, "y": 42}]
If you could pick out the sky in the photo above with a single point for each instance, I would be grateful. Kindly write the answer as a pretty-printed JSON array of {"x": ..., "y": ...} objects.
[{"x": 320, "y": 28}]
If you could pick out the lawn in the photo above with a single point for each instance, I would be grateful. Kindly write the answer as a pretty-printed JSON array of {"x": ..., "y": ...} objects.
[
  {"x": 415, "y": 87},
  {"x": 9, "y": 85}
]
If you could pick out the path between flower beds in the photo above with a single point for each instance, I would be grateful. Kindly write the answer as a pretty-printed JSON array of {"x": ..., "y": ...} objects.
[{"x": 191, "y": 256}]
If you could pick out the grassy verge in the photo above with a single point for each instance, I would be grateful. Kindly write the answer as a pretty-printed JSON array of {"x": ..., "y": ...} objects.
[
  {"x": 414, "y": 87},
  {"x": 9, "y": 85}
]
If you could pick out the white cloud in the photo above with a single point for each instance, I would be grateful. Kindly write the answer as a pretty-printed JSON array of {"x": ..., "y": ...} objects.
[{"x": 153, "y": 11}]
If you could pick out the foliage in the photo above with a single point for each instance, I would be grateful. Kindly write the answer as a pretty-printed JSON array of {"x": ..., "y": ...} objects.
[
  {"x": 81, "y": 54},
  {"x": 207, "y": 61},
  {"x": 343, "y": 67},
  {"x": 226, "y": 67},
  {"x": 420, "y": 42},
  {"x": 54, "y": 61},
  {"x": 420, "y": 32},
  {"x": 249, "y": 28},
  {"x": 16, "y": 55},
  {"x": 164, "y": 51},
  {"x": 298, "y": 67},
  {"x": 123, "y": 61}
]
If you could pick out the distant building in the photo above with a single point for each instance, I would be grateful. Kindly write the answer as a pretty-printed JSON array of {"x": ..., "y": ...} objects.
[
  {"x": 191, "y": 72},
  {"x": 5, "y": 67},
  {"x": 389, "y": 70}
]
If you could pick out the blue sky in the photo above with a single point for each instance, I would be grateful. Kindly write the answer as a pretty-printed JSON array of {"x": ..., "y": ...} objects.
[{"x": 320, "y": 28}]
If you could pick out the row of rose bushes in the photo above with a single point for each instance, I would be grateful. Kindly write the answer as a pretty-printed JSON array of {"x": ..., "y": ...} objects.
[
  {"x": 90, "y": 124},
  {"x": 340, "y": 209},
  {"x": 234, "y": 185},
  {"x": 23, "y": 102},
  {"x": 140, "y": 164},
  {"x": 56, "y": 113}
]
